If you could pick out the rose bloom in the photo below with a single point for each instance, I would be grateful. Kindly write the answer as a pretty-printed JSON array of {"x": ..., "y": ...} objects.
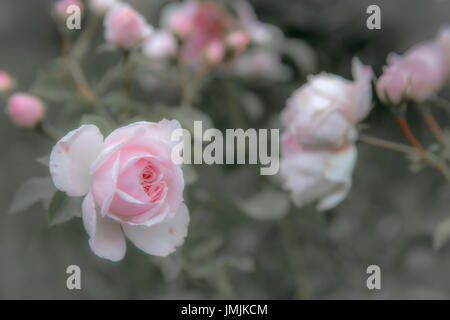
[
  {"x": 322, "y": 113},
  {"x": 25, "y": 110},
  {"x": 238, "y": 40},
  {"x": 132, "y": 187},
  {"x": 161, "y": 44},
  {"x": 416, "y": 75},
  {"x": 316, "y": 175},
  {"x": 101, "y": 7},
  {"x": 61, "y": 7},
  {"x": 125, "y": 27},
  {"x": 6, "y": 83}
]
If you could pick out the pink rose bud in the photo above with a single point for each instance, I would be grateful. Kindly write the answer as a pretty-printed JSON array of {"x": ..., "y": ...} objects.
[
  {"x": 6, "y": 83},
  {"x": 392, "y": 86},
  {"x": 316, "y": 175},
  {"x": 177, "y": 18},
  {"x": 101, "y": 7},
  {"x": 125, "y": 27},
  {"x": 25, "y": 110},
  {"x": 215, "y": 52},
  {"x": 62, "y": 6},
  {"x": 422, "y": 68},
  {"x": 132, "y": 187},
  {"x": 181, "y": 25},
  {"x": 161, "y": 44},
  {"x": 238, "y": 40},
  {"x": 323, "y": 112}
]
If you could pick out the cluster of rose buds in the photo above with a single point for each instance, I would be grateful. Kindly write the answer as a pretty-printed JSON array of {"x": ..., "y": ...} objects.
[
  {"x": 131, "y": 186},
  {"x": 318, "y": 152},
  {"x": 418, "y": 74}
]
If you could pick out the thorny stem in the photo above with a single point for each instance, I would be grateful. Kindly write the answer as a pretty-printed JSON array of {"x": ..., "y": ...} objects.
[{"x": 427, "y": 157}]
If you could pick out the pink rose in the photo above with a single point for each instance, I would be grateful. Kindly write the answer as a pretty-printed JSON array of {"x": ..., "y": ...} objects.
[
  {"x": 416, "y": 75},
  {"x": 161, "y": 44},
  {"x": 25, "y": 110},
  {"x": 177, "y": 17},
  {"x": 316, "y": 175},
  {"x": 101, "y": 7},
  {"x": 323, "y": 112},
  {"x": 238, "y": 41},
  {"x": 125, "y": 27},
  {"x": 133, "y": 188},
  {"x": 61, "y": 7},
  {"x": 215, "y": 52},
  {"x": 6, "y": 83}
]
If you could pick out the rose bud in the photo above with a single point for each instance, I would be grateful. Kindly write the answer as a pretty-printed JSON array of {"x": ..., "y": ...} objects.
[
  {"x": 238, "y": 40},
  {"x": 177, "y": 17},
  {"x": 161, "y": 44},
  {"x": 424, "y": 69},
  {"x": 323, "y": 112},
  {"x": 132, "y": 187},
  {"x": 61, "y": 7},
  {"x": 6, "y": 83},
  {"x": 125, "y": 27},
  {"x": 101, "y": 7},
  {"x": 25, "y": 110},
  {"x": 316, "y": 175},
  {"x": 215, "y": 52}
]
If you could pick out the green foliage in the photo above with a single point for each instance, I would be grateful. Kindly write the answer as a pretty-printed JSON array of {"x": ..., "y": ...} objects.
[{"x": 34, "y": 190}]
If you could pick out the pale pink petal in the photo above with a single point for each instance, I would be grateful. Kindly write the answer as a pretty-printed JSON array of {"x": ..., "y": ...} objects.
[
  {"x": 163, "y": 238},
  {"x": 71, "y": 159},
  {"x": 108, "y": 242}
]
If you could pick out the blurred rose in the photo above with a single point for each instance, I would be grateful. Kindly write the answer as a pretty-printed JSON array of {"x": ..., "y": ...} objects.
[
  {"x": 320, "y": 175},
  {"x": 6, "y": 83},
  {"x": 260, "y": 33},
  {"x": 125, "y": 27},
  {"x": 416, "y": 75},
  {"x": 260, "y": 63},
  {"x": 133, "y": 188},
  {"x": 238, "y": 41},
  {"x": 100, "y": 7},
  {"x": 177, "y": 17},
  {"x": 215, "y": 52},
  {"x": 161, "y": 44},
  {"x": 323, "y": 112},
  {"x": 25, "y": 110},
  {"x": 61, "y": 7},
  {"x": 443, "y": 40}
]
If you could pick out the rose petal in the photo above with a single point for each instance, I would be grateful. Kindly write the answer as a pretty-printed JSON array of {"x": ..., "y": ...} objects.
[
  {"x": 71, "y": 158},
  {"x": 160, "y": 239}
]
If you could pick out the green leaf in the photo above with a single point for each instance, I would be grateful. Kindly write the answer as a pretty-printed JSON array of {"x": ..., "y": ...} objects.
[
  {"x": 103, "y": 124},
  {"x": 44, "y": 160},
  {"x": 32, "y": 191},
  {"x": 267, "y": 205},
  {"x": 63, "y": 208},
  {"x": 441, "y": 234}
]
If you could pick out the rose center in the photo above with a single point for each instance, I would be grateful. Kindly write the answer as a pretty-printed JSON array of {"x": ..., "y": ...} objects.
[{"x": 150, "y": 182}]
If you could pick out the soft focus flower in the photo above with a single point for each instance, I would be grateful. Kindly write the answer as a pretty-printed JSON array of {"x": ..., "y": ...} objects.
[
  {"x": 263, "y": 34},
  {"x": 132, "y": 187},
  {"x": 125, "y": 27},
  {"x": 161, "y": 44},
  {"x": 238, "y": 41},
  {"x": 416, "y": 75},
  {"x": 443, "y": 41},
  {"x": 25, "y": 110},
  {"x": 260, "y": 63},
  {"x": 6, "y": 83},
  {"x": 61, "y": 7},
  {"x": 320, "y": 175},
  {"x": 215, "y": 52},
  {"x": 177, "y": 17},
  {"x": 323, "y": 112},
  {"x": 101, "y": 7}
]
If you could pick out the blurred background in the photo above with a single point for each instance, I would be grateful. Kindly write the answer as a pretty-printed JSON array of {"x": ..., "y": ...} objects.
[{"x": 388, "y": 219}]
